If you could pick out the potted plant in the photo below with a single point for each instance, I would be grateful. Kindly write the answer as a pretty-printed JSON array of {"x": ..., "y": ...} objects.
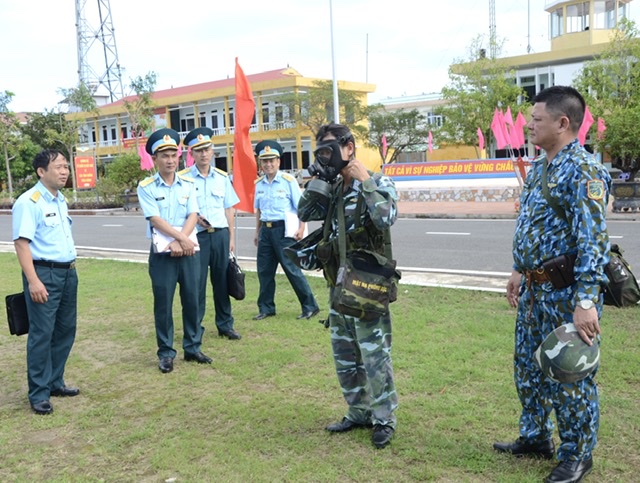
[{"x": 611, "y": 87}]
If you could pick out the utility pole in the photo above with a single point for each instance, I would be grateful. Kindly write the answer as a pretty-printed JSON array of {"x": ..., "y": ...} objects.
[
  {"x": 492, "y": 29},
  {"x": 98, "y": 65}
]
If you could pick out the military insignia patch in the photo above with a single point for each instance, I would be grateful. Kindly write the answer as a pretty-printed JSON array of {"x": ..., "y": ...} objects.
[{"x": 595, "y": 189}]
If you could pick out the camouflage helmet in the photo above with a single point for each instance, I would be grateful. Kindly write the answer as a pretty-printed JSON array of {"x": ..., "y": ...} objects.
[{"x": 564, "y": 357}]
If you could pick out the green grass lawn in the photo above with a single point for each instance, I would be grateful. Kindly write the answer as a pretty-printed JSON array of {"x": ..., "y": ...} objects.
[{"x": 259, "y": 412}]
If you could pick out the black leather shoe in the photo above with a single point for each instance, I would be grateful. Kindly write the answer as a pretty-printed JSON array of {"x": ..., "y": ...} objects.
[
  {"x": 65, "y": 391},
  {"x": 229, "y": 334},
  {"x": 261, "y": 316},
  {"x": 570, "y": 471},
  {"x": 345, "y": 425},
  {"x": 199, "y": 357},
  {"x": 166, "y": 365},
  {"x": 308, "y": 315},
  {"x": 42, "y": 407},
  {"x": 382, "y": 435},
  {"x": 520, "y": 447}
]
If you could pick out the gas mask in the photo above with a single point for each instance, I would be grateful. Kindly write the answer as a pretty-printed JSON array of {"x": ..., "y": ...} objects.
[{"x": 328, "y": 165}]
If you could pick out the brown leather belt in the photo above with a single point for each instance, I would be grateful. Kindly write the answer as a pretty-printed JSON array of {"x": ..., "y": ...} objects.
[{"x": 539, "y": 275}]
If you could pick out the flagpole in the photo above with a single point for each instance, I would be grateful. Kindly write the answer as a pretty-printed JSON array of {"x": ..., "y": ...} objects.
[{"x": 336, "y": 106}]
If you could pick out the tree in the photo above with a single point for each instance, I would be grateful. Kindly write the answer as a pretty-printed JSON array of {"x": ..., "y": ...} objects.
[
  {"x": 66, "y": 129},
  {"x": 314, "y": 107},
  {"x": 476, "y": 88},
  {"x": 121, "y": 174},
  {"x": 404, "y": 131},
  {"x": 140, "y": 109},
  {"x": 611, "y": 87},
  {"x": 9, "y": 128}
]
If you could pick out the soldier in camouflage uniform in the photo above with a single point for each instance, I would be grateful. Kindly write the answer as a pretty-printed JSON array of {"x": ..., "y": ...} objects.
[
  {"x": 580, "y": 186},
  {"x": 361, "y": 349}
]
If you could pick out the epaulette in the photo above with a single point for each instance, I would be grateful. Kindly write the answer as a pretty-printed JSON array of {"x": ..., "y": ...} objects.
[
  {"x": 288, "y": 177},
  {"x": 186, "y": 178},
  {"x": 184, "y": 171},
  {"x": 146, "y": 181},
  {"x": 259, "y": 179},
  {"x": 222, "y": 172},
  {"x": 35, "y": 196}
]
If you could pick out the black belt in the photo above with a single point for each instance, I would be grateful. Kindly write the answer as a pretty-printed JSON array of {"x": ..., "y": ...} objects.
[
  {"x": 213, "y": 230},
  {"x": 273, "y": 224},
  {"x": 64, "y": 266}
]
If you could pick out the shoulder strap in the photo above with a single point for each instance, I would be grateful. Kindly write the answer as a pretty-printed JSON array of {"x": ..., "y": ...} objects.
[{"x": 547, "y": 196}]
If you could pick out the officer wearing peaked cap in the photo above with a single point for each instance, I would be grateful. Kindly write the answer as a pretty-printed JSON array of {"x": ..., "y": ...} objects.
[
  {"x": 276, "y": 204},
  {"x": 169, "y": 203},
  {"x": 216, "y": 198}
]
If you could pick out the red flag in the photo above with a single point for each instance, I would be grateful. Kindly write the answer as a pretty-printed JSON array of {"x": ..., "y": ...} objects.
[
  {"x": 480, "y": 139},
  {"x": 602, "y": 127},
  {"x": 244, "y": 161},
  {"x": 146, "y": 163},
  {"x": 586, "y": 125},
  {"x": 190, "y": 159},
  {"x": 517, "y": 135},
  {"x": 496, "y": 129},
  {"x": 384, "y": 147},
  {"x": 430, "y": 142}
]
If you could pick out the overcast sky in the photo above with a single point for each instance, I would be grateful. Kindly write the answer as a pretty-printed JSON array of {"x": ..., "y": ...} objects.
[{"x": 404, "y": 47}]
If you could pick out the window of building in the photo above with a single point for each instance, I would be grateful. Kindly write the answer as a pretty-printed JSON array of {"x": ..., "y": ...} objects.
[
  {"x": 104, "y": 133},
  {"x": 434, "y": 119},
  {"x": 265, "y": 113},
  {"x": 214, "y": 119},
  {"x": 556, "y": 26},
  {"x": 578, "y": 17},
  {"x": 125, "y": 133},
  {"x": 187, "y": 123},
  {"x": 93, "y": 135},
  {"x": 279, "y": 113},
  {"x": 203, "y": 119},
  {"x": 232, "y": 121},
  {"x": 114, "y": 136},
  {"x": 528, "y": 85}
]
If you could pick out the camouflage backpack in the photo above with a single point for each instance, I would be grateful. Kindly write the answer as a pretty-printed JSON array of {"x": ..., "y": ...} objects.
[{"x": 564, "y": 357}]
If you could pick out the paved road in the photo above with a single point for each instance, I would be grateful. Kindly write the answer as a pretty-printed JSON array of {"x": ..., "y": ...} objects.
[{"x": 451, "y": 250}]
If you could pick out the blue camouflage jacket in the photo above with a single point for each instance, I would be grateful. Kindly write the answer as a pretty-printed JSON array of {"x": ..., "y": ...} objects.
[{"x": 581, "y": 186}]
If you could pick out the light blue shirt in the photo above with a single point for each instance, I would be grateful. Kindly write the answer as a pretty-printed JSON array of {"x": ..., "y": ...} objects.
[
  {"x": 44, "y": 220},
  {"x": 214, "y": 193},
  {"x": 275, "y": 198},
  {"x": 172, "y": 203}
]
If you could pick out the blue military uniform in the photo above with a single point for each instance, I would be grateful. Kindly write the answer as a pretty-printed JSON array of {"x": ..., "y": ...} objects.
[
  {"x": 275, "y": 200},
  {"x": 581, "y": 186},
  {"x": 214, "y": 194},
  {"x": 173, "y": 204},
  {"x": 44, "y": 220}
]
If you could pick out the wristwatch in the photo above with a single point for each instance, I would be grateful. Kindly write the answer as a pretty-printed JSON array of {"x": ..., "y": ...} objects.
[{"x": 586, "y": 304}]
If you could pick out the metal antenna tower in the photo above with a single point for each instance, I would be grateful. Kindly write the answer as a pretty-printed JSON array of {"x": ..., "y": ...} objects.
[
  {"x": 98, "y": 65},
  {"x": 492, "y": 29}
]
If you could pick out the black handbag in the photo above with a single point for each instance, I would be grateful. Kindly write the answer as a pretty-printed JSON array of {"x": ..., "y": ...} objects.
[
  {"x": 17, "y": 314},
  {"x": 235, "y": 279}
]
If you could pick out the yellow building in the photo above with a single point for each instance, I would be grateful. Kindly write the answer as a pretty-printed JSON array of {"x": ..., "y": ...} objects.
[{"x": 211, "y": 104}]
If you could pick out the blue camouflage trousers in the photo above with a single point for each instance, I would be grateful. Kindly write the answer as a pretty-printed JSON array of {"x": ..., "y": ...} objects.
[
  {"x": 576, "y": 405},
  {"x": 362, "y": 354}
]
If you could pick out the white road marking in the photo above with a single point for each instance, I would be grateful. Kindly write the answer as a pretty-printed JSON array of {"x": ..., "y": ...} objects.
[
  {"x": 447, "y": 233},
  {"x": 112, "y": 225}
]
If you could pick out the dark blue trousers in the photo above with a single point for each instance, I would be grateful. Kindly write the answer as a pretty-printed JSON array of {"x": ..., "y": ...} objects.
[
  {"x": 52, "y": 330},
  {"x": 214, "y": 262},
  {"x": 271, "y": 245},
  {"x": 166, "y": 272}
]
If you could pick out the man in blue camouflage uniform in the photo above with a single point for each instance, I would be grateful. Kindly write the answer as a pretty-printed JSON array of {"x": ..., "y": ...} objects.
[
  {"x": 580, "y": 186},
  {"x": 361, "y": 349},
  {"x": 169, "y": 203},
  {"x": 216, "y": 199},
  {"x": 276, "y": 203}
]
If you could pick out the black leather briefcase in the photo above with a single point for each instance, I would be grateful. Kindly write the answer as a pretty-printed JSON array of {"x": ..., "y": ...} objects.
[{"x": 17, "y": 314}]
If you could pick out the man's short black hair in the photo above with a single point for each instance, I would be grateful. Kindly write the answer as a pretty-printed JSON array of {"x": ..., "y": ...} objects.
[
  {"x": 43, "y": 158},
  {"x": 564, "y": 101}
]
